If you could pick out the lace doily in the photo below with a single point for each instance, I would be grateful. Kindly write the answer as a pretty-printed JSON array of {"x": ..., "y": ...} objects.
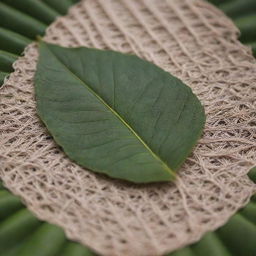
[{"x": 192, "y": 40}]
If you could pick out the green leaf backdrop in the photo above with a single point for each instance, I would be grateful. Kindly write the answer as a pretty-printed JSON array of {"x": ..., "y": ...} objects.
[{"x": 21, "y": 234}]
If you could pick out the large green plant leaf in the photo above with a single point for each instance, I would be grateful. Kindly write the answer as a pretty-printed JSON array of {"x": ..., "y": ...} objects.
[
  {"x": 12, "y": 42},
  {"x": 242, "y": 12},
  {"x": 46, "y": 234},
  {"x": 14, "y": 250},
  {"x": 247, "y": 26},
  {"x": 17, "y": 226},
  {"x": 47, "y": 10},
  {"x": 6, "y": 61},
  {"x": 236, "y": 238},
  {"x": 34, "y": 8},
  {"x": 20, "y": 22},
  {"x": 21, "y": 233},
  {"x": 117, "y": 114},
  {"x": 60, "y": 6},
  {"x": 238, "y": 8},
  {"x": 23, "y": 20}
]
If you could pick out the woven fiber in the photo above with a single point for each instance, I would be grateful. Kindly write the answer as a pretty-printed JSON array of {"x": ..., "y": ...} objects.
[{"x": 192, "y": 40}]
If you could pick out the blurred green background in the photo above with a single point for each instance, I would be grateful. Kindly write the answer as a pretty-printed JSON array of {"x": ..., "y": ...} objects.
[
  {"x": 243, "y": 14},
  {"x": 22, "y": 20},
  {"x": 22, "y": 234}
]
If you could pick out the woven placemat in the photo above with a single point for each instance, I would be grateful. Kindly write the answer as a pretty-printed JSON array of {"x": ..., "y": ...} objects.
[{"x": 192, "y": 40}]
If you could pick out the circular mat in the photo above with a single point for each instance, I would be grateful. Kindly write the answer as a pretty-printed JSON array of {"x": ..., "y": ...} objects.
[{"x": 188, "y": 38}]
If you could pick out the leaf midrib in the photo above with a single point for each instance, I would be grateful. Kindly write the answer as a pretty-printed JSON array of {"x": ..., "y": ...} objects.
[{"x": 166, "y": 167}]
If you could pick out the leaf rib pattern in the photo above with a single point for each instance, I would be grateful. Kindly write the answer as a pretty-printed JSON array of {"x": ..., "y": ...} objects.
[
  {"x": 142, "y": 46},
  {"x": 91, "y": 81}
]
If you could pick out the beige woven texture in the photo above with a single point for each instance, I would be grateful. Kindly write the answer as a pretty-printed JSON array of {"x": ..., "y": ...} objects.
[{"x": 192, "y": 40}]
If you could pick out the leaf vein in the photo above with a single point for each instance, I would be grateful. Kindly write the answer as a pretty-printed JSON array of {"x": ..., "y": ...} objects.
[{"x": 76, "y": 77}]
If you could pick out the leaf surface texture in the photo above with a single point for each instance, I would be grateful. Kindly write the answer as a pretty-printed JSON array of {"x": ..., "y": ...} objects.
[{"x": 117, "y": 114}]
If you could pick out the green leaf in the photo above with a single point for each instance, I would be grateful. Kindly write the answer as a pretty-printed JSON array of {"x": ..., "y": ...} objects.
[
  {"x": 8, "y": 204},
  {"x": 186, "y": 251},
  {"x": 48, "y": 240},
  {"x": 20, "y": 22},
  {"x": 238, "y": 8},
  {"x": 21, "y": 234},
  {"x": 6, "y": 61},
  {"x": 210, "y": 245},
  {"x": 34, "y": 8},
  {"x": 253, "y": 46},
  {"x": 235, "y": 238},
  {"x": 219, "y": 2},
  {"x": 12, "y": 42},
  {"x": 247, "y": 26},
  {"x": 239, "y": 236},
  {"x": 252, "y": 174},
  {"x": 60, "y": 6},
  {"x": 16, "y": 227},
  {"x": 117, "y": 114},
  {"x": 13, "y": 251},
  {"x": 3, "y": 75},
  {"x": 74, "y": 249},
  {"x": 249, "y": 212}
]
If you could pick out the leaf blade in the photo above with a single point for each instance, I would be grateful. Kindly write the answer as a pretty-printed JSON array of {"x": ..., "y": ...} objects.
[{"x": 87, "y": 83}]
